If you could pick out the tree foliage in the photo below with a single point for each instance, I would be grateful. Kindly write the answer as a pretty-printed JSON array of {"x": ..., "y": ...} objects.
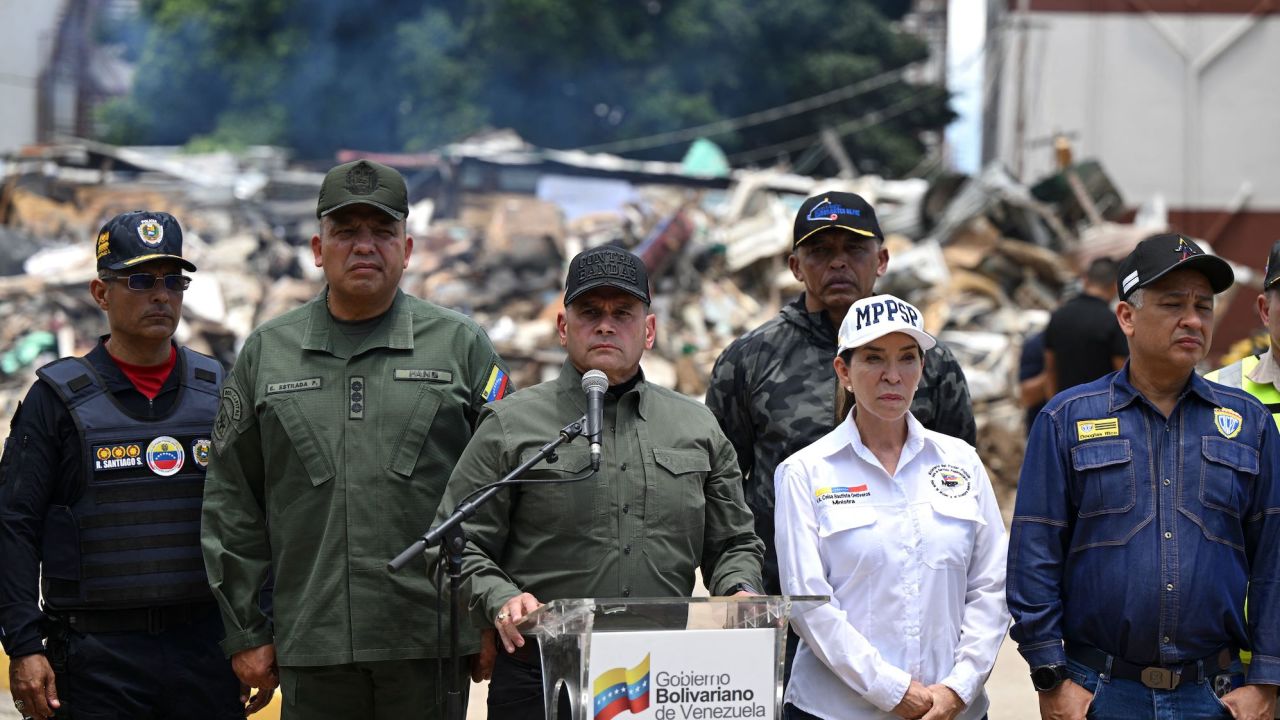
[{"x": 389, "y": 75}]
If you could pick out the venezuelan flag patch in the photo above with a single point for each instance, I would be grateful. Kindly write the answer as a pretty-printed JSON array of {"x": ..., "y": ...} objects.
[{"x": 496, "y": 388}]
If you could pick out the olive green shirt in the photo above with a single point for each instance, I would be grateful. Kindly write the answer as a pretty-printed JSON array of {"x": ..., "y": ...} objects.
[
  {"x": 667, "y": 499},
  {"x": 325, "y": 465}
]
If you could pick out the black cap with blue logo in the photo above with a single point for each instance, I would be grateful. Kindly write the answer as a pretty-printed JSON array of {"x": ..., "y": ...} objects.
[
  {"x": 140, "y": 236},
  {"x": 835, "y": 210}
]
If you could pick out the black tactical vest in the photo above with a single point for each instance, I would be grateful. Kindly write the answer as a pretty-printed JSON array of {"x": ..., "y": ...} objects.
[{"x": 132, "y": 539}]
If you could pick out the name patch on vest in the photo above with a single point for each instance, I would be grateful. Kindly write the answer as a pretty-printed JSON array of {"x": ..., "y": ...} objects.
[
  {"x": 440, "y": 376},
  {"x": 294, "y": 386},
  {"x": 117, "y": 457}
]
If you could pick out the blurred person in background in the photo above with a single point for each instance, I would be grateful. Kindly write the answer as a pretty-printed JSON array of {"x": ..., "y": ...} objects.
[
  {"x": 1083, "y": 341},
  {"x": 1033, "y": 379},
  {"x": 100, "y": 490}
]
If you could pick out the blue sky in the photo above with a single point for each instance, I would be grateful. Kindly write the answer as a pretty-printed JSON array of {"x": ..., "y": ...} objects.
[{"x": 966, "y": 34}]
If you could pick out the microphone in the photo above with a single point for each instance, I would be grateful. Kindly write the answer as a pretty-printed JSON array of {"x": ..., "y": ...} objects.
[{"x": 594, "y": 384}]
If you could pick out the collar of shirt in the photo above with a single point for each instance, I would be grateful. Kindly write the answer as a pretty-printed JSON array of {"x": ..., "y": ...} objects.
[
  {"x": 119, "y": 385},
  {"x": 396, "y": 332},
  {"x": 1123, "y": 393},
  {"x": 1266, "y": 371},
  {"x": 847, "y": 435},
  {"x": 570, "y": 383}
]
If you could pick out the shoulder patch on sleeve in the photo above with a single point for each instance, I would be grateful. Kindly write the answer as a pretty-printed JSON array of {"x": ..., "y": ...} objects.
[{"x": 496, "y": 387}]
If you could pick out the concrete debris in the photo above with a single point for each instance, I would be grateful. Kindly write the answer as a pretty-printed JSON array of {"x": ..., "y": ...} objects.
[{"x": 495, "y": 222}]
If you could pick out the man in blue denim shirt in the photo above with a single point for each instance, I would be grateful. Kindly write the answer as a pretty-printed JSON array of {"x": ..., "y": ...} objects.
[{"x": 1146, "y": 509}]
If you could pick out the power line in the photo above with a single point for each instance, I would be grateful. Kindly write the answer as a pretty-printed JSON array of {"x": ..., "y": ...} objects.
[
  {"x": 760, "y": 117},
  {"x": 862, "y": 122}
]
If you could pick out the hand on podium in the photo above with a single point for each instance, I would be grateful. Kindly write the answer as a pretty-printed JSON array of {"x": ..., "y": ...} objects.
[{"x": 513, "y": 611}]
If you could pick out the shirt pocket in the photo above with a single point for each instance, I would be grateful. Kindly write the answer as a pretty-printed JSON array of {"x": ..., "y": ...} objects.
[
  {"x": 680, "y": 475},
  {"x": 849, "y": 540},
  {"x": 282, "y": 489},
  {"x": 1220, "y": 500},
  {"x": 1108, "y": 494},
  {"x": 572, "y": 507},
  {"x": 417, "y": 428},
  {"x": 1106, "y": 471},
  {"x": 951, "y": 526}
]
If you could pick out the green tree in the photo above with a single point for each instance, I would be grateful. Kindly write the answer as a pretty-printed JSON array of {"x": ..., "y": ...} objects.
[{"x": 385, "y": 75}]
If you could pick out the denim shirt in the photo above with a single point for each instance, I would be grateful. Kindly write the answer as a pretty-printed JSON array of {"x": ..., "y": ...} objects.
[{"x": 1140, "y": 535}]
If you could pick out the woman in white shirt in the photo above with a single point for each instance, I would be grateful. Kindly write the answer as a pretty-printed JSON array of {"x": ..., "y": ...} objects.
[{"x": 898, "y": 524}]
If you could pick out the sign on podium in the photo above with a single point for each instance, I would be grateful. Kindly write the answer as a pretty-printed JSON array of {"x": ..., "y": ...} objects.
[{"x": 665, "y": 658}]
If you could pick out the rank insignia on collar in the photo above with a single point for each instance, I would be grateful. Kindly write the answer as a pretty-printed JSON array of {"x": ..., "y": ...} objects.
[{"x": 1227, "y": 421}]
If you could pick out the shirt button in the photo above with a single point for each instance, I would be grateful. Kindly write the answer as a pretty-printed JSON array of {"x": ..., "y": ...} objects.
[
  {"x": 1166, "y": 481},
  {"x": 1165, "y": 639},
  {"x": 623, "y": 467},
  {"x": 626, "y": 550},
  {"x": 626, "y": 509},
  {"x": 626, "y": 592},
  {"x": 1169, "y": 587},
  {"x": 1168, "y": 535}
]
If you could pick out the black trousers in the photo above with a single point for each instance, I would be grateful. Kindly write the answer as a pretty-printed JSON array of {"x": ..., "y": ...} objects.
[
  {"x": 381, "y": 690},
  {"x": 515, "y": 689},
  {"x": 178, "y": 673}
]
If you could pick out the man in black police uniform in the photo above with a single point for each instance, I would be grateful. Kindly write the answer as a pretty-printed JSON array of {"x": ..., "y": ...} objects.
[{"x": 100, "y": 492}]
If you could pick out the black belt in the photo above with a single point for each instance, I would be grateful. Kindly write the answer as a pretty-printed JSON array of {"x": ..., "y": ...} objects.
[
  {"x": 152, "y": 620},
  {"x": 1156, "y": 677}
]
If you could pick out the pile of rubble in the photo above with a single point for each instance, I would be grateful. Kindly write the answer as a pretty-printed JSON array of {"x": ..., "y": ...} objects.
[{"x": 494, "y": 228}]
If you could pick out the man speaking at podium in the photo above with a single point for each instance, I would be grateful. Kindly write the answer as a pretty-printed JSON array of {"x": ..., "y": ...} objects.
[{"x": 667, "y": 497}]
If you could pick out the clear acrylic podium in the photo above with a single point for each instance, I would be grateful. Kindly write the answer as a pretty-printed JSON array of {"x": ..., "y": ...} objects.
[{"x": 665, "y": 658}]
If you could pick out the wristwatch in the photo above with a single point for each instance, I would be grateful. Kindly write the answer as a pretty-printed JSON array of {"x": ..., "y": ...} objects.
[
  {"x": 742, "y": 587},
  {"x": 1048, "y": 677}
]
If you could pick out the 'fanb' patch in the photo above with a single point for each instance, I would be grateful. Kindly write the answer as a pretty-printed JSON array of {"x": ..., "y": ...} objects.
[
  {"x": 1091, "y": 429},
  {"x": 1227, "y": 421},
  {"x": 496, "y": 388}
]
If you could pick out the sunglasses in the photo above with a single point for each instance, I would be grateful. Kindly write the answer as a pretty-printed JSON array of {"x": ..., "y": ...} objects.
[{"x": 146, "y": 281}]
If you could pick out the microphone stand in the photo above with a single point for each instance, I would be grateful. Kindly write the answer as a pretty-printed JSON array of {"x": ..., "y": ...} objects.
[{"x": 452, "y": 540}]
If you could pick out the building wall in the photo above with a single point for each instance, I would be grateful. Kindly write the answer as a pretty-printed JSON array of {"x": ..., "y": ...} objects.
[
  {"x": 1177, "y": 98},
  {"x": 26, "y": 39},
  {"x": 1185, "y": 105}
]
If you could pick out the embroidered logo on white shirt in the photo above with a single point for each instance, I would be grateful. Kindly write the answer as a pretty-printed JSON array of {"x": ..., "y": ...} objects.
[{"x": 950, "y": 481}]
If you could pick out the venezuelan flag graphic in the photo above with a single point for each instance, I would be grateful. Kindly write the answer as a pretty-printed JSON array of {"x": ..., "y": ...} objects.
[
  {"x": 496, "y": 388},
  {"x": 829, "y": 490},
  {"x": 620, "y": 689}
]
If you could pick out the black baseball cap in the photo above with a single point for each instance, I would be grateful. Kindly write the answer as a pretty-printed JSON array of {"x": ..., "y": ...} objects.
[
  {"x": 364, "y": 182},
  {"x": 1158, "y": 255},
  {"x": 835, "y": 210},
  {"x": 606, "y": 266},
  {"x": 1271, "y": 275},
  {"x": 140, "y": 236}
]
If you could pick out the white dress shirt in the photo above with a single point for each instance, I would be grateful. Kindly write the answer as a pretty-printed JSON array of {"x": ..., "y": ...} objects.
[{"x": 914, "y": 563}]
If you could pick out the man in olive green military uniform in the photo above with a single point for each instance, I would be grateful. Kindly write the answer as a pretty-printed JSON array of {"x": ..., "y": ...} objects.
[
  {"x": 337, "y": 430},
  {"x": 666, "y": 500}
]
